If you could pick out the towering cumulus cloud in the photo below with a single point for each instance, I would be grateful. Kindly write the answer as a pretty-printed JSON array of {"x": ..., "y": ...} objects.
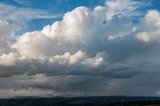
[{"x": 108, "y": 50}]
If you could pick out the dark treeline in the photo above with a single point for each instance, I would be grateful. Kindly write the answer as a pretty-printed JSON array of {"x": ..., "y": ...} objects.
[{"x": 81, "y": 101}]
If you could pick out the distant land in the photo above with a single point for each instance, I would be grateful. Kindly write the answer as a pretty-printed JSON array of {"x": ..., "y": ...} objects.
[{"x": 82, "y": 101}]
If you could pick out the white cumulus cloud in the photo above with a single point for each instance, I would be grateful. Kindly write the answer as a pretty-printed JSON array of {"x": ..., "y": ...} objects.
[{"x": 98, "y": 51}]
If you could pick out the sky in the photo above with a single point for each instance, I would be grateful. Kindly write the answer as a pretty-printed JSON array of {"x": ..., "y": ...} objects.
[{"x": 79, "y": 48}]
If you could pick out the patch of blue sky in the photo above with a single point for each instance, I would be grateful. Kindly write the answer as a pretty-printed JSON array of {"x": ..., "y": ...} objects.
[
  {"x": 52, "y": 6},
  {"x": 63, "y": 6}
]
